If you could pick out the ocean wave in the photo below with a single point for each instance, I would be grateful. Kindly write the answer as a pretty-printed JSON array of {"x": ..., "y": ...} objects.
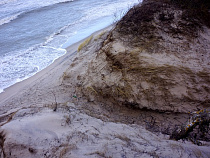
[
  {"x": 51, "y": 37},
  {"x": 89, "y": 15},
  {"x": 109, "y": 9},
  {"x": 58, "y": 34},
  {"x": 15, "y": 8},
  {"x": 9, "y": 19}
]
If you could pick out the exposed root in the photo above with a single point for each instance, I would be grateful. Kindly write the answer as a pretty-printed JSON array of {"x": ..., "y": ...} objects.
[{"x": 199, "y": 118}]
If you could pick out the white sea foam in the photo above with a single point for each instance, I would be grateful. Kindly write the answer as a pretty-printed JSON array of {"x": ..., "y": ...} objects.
[
  {"x": 109, "y": 9},
  {"x": 9, "y": 18},
  {"x": 1, "y": 90},
  {"x": 57, "y": 33},
  {"x": 20, "y": 65}
]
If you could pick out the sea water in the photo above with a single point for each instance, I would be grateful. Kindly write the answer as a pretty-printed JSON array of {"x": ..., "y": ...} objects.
[{"x": 35, "y": 33}]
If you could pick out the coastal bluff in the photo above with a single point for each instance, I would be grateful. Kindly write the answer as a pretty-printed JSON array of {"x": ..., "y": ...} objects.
[
  {"x": 121, "y": 92},
  {"x": 155, "y": 58}
]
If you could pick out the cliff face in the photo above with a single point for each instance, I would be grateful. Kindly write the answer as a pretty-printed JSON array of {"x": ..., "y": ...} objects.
[{"x": 155, "y": 58}]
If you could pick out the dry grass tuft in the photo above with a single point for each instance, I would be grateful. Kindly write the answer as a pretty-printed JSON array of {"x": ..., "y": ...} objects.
[
  {"x": 87, "y": 41},
  {"x": 100, "y": 35}
]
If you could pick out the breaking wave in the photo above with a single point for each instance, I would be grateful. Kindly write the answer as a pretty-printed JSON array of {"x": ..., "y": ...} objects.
[{"x": 12, "y": 9}]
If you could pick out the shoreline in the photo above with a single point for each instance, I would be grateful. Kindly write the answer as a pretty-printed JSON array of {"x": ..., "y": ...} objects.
[{"x": 60, "y": 62}]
